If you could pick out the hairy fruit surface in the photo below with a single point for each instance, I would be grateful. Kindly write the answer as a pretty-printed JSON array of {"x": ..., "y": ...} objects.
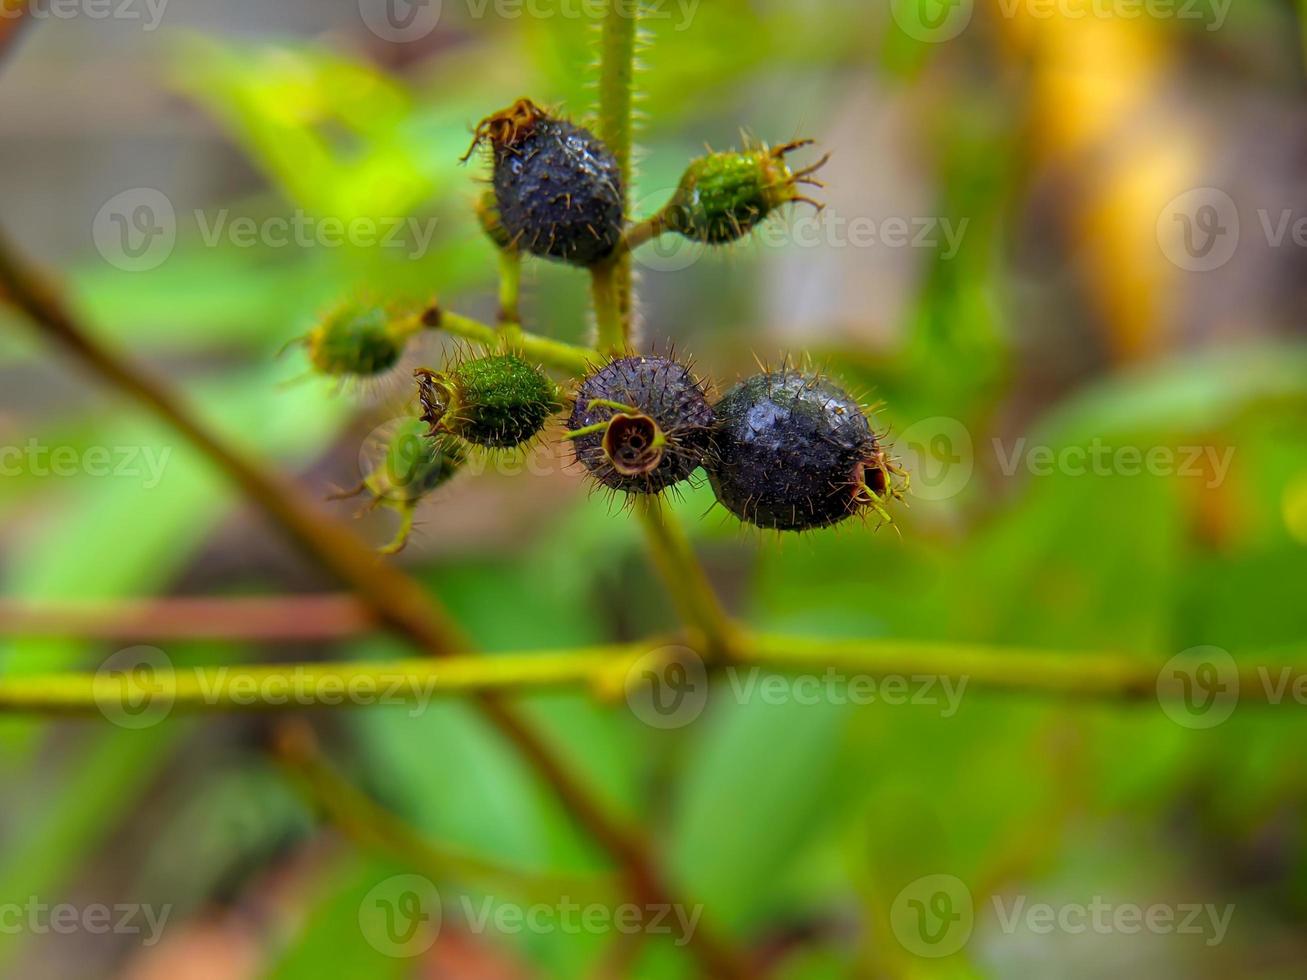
[
  {"x": 414, "y": 464},
  {"x": 403, "y": 465},
  {"x": 794, "y": 451},
  {"x": 724, "y": 196},
  {"x": 359, "y": 338},
  {"x": 558, "y": 188},
  {"x": 641, "y": 423},
  {"x": 499, "y": 400}
]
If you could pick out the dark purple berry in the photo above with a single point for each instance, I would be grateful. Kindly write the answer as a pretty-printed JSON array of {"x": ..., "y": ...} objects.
[
  {"x": 794, "y": 451},
  {"x": 557, "y": 186},
  {"x": 641, "y": 424}
]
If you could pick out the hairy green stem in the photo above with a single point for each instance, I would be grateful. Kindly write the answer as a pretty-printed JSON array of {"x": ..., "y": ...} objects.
[
  {"x": 611, "y": 279},
  {"x": 643, "y": 232},
  {"x": 612, "y": 333},
  {"x": 510, "y": 286},
  {"x": 617, "y": 81},
  {"x": 274, "y": 687}
]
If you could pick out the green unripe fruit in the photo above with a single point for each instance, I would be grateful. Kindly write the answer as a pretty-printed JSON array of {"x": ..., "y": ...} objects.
[
  {"x": 414, "y": 464},
  {"x": 358, "y": 338},
  {"x": 724, "y": 196},
  {"x": 403, "y": 464},
  {"x": 500, "y": 400}
]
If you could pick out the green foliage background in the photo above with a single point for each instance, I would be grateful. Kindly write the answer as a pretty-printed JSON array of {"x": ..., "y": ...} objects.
[{"x": 779, "y": 818}]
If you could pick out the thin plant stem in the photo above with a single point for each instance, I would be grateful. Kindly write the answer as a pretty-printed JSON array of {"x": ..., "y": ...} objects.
[
  {"x": 510, "y": 286},
  {"x": 695, "y": 598},
  {"x": 608, "y": 672},
  {"x": 398, "y": 601},
  {"x": 612, "y": 333},
  {"x": 293, "y": 618},
  {"x": 647, "y": 230},
  {"x": 371, "y": 825},
  {"x": 611, "y": 279},
  {"x": 552, "y": 353},
  {"x": 611, "y": 287}
]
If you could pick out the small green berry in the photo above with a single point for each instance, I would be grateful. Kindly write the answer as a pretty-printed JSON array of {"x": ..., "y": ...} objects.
[
  {"x": 498, "y": 400},
  {"x": 360, "y": 338},
  {"x": 724, "y": 196},
  {"x": 411, "y": 466},
  {"x": 414, "y": 463}
]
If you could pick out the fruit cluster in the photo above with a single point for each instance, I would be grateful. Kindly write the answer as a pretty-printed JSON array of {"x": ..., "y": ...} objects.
[{"x": 784, "y": 449}]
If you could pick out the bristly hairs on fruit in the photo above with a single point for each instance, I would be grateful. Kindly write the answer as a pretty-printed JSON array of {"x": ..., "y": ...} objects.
[
  {"x": 409, "y": 466},
  {"x": 788, "y": 454},
  {"x": 363, "y": 345},
  {"x": 724, "y": 196},
  {"x": 557, "y": 186},
  {"x": 640, "y": 423},
  {"x": 495, "y": 400}
]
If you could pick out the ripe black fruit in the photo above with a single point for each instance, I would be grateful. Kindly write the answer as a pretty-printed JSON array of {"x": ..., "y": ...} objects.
[
  {"x": 641, "y": 424},
  {"x": 557, "y": 186},
  {"x": 794, "y": 451}
]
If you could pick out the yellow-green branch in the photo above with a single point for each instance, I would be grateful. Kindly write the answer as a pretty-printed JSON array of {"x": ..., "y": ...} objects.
[
  {"x": 608, "y": 672},
  {"x": 552, "y": 353}
]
